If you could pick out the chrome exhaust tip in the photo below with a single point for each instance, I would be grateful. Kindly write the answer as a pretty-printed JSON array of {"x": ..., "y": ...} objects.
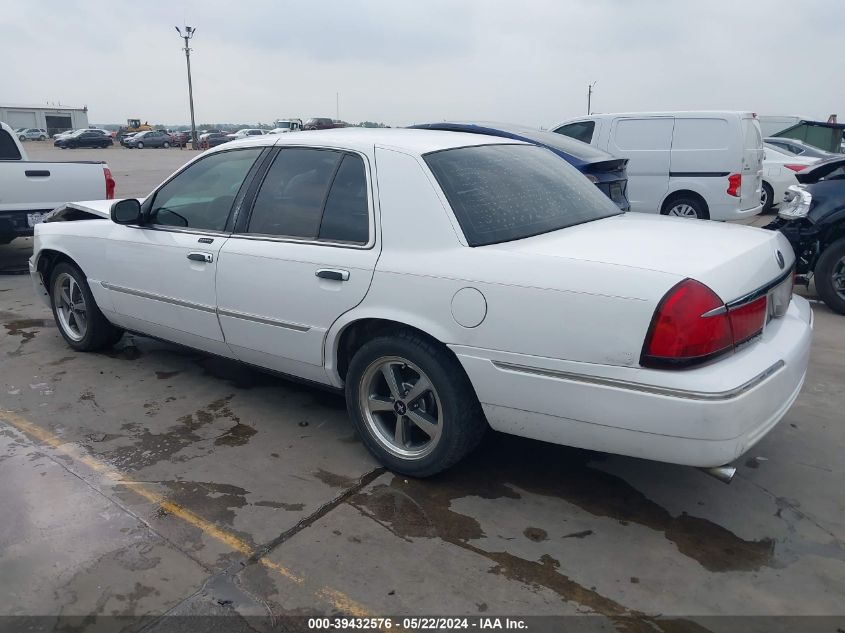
[{"x": 723, "y": 473}]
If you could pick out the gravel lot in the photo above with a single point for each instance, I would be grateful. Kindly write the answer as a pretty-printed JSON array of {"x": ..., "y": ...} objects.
[{"x": 153, "y": 479}]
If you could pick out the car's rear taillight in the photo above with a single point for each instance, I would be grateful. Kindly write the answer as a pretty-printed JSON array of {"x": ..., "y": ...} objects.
[
  {"x": 110, "y": 183},
  {"x": 734, "y": 184},
  {"x": 689, "y": 326},
  {"x": 692, "y": 325},
  {"x": 796, "y": 167},
  {"x": 747, "y": 320}
]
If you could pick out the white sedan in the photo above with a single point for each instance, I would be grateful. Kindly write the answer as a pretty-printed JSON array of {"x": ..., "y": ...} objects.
[
  {"x": 448, "y": 283},
  {"x": 779, "y": 171}
]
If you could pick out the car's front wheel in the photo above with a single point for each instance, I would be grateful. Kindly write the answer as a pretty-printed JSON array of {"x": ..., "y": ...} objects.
[
  {"x": 139, "y": 145},
  {"x": 165, "y": 145},
  {"x": 412, "y": 404},
  {"x": 829, "y": 276},
  {"x": 77, "y": 316}
]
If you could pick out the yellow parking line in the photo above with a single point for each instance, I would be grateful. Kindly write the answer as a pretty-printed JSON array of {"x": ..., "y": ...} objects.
[{"x": 337, "y": 599}]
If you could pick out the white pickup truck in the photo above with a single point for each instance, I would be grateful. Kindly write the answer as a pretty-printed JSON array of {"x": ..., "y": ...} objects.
[{"x": 30, "y": 189}]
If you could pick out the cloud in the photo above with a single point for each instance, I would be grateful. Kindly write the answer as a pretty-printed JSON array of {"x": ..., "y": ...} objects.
[{"x": 406, "y": 61}]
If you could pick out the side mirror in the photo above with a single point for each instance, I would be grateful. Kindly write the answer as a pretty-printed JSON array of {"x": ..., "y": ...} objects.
[{"x": 126, "y": 211}]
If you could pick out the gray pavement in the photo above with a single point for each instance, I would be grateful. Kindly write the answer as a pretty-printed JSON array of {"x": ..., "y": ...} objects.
[{"x": 152, "y": 479}]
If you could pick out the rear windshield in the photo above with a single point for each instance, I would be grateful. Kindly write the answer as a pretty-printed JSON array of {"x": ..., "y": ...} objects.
[{"x": 501, "y": 193}]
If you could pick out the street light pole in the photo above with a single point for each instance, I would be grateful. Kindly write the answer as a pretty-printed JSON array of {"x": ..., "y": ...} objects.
[
  {"x": 590, "y": 96},
  {"x": 189, "y": 33}
]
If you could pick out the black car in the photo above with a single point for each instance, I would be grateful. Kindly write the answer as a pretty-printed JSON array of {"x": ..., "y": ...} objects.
[
  {"x": 602, "y": 169},
  {"x": 812, "y": 217},
  {"x": 213, "y": 139},
  {"x": 84, "y": 138}
]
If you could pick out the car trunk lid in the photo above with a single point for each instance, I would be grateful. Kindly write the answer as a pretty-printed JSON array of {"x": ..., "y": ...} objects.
[{"x": 732, "y": 260}]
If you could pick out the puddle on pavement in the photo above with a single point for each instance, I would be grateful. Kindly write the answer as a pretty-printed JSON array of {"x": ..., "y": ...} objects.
[
  {"x": 150, "y": 448},
  {"x": 238, "y": 435},
  {"x": 165, "y": 375},
  {"x": 22, "y": 328},
  {"x": 336, "y": 481},
  {"x": 505, "y": 465}
]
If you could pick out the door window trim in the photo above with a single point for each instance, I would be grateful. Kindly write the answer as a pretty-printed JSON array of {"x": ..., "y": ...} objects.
[{"x": 242, "y": 222}]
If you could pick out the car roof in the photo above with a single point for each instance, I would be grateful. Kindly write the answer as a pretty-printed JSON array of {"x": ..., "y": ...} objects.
[
  {"x": 583, "y": 153},
  {"x": 413, "y": 141}
]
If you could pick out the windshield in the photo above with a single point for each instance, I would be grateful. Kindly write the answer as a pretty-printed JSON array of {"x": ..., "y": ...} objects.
[
  {"x": 282, "y": 125},
  {"x": 501, "y": 193}
]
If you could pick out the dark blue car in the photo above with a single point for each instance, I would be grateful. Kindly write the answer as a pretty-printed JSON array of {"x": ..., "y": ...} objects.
[{"x": 604, "y": 170}]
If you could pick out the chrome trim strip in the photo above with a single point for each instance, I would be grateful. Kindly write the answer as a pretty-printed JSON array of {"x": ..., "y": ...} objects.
[
  {"x": 265, "y": 321},
  {"x": 155, "y": 297},
  {"x": 261, "y": 237},
  {"x": 709, "y": 396},
  {"x": 760, "y": 292}
]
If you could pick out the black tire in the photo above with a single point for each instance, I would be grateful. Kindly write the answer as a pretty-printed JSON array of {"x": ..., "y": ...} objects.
[
  {"x": 830, "y": 263},
  {"x": 768, "y": 197},
  {"x": 463, "y": 424},
  {"x": 701, "y": 212},
  {"x": 21, "y": 138},
  {"x": 140, "y": 145},
  {"x": 166, "y": 145},
  {"x": 99, "y": 332}
]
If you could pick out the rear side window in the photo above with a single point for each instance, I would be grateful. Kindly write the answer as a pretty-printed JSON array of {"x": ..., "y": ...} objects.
[
  {"x": 581, "y": 131},
  {"x": 693, "y": 134},
  {"x": 345, "y": 218},
  {"x": 8, "y": 148},
  {"x": 501, "y": 193},
  {"x": 313, "y": 194}
]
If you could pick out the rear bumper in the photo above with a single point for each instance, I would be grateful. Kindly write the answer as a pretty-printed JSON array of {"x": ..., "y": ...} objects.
[
  {"x": 14, "y": 224},
  {"x": 732, "y": 211},
  {"x": 707, "y": 416}
]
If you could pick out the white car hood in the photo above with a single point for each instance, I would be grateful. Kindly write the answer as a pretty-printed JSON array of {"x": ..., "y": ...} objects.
[
  {"x": 97, "y": 207},
  {"x": 733, "y": 260}
]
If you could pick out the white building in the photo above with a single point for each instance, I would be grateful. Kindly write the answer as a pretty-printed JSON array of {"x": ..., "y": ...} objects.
[{"x": 51, "y": 118}]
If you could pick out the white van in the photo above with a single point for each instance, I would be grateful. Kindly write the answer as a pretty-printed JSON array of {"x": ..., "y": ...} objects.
[{"x": 691, "y": 164}]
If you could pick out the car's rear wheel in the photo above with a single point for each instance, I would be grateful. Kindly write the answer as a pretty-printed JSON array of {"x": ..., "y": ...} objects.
[
  {"x": 77, "y": 316},
  {"x": 165, "y": 145},
  {"x": 767, "y": 197},
  {"x": 830, "y": 276},
  {"x": 21, "y": 138},
  {"x": 412, "y": 404},
  {"x": 686, "y": 207}
]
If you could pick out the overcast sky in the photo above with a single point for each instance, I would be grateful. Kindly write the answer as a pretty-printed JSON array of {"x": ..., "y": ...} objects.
[{"x": 401, "y": 62}]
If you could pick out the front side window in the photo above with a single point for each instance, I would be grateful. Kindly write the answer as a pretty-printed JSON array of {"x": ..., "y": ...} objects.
[
  {"x": 201, "y": 196},
  {"x": 313, "y": 194},
  {"x": 501, "y": 193},
  {"x": 580, "y": 131}
]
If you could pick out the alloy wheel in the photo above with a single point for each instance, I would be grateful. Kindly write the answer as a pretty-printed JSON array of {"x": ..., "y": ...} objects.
[
  {"x": 401, "y": 407},
  {"x": 71, "y": 310},
  {"x": 683, "y": 210}
]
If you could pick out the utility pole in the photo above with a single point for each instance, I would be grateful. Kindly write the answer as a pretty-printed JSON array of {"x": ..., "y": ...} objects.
[
  {"x": 590, "y": 96},
  {"x": 189, "y": 33},
  {"x": 337, "y": 106}
]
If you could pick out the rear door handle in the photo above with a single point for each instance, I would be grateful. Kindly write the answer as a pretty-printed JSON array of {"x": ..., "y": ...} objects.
[
  {"x": 336, "y": 275},
  {"x": 198, "y": 256},
  {"x": 37, "y": 173}
]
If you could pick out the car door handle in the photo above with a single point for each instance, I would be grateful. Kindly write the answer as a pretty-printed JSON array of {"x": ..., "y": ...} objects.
[
  {"x": 336, "y": 275},
  {"x": 37, "y": 173},
  {"x": 197, "y": 256}
]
